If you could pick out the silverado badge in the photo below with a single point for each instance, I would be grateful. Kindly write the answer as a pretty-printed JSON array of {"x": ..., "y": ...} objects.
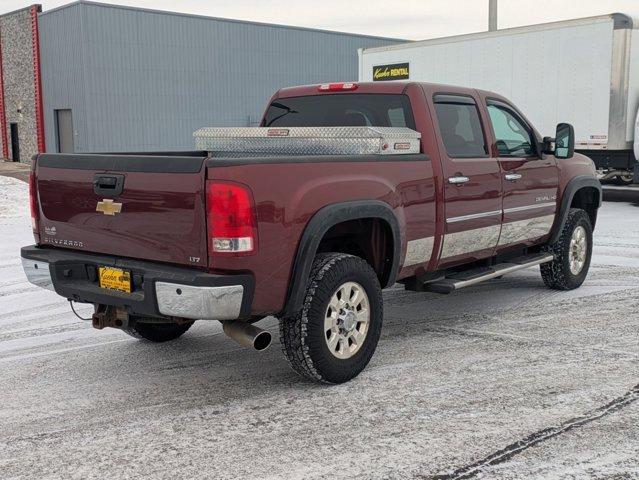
[{"x": 108, "y": 207}]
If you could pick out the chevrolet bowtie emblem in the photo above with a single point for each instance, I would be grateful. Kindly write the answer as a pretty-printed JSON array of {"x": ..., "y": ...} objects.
[{"x": 108, "y": 207}]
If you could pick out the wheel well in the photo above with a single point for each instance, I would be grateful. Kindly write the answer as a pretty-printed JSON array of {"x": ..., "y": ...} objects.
[
  {"x": 367, "y": 238},
  {"x": 587, "y": 199}
]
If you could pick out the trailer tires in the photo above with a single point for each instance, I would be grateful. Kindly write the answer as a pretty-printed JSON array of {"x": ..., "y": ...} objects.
[
  {"x": 334, "y": 335},
  {"x": 156, "y": 332},
  {"x": 572, "y": 251},
  {"x": 624, "y": 179}
]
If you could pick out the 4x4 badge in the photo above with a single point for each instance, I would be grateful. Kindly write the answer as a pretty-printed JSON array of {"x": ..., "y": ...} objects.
[{"x": 108, "y": 207}]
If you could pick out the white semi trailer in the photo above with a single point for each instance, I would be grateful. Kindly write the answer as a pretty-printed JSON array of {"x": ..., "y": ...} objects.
[{"x": 583, "y": 71}]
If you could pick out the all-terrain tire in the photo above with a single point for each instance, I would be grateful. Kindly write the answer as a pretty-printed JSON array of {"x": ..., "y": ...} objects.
[
  {"x": 156, "y": 332},
  {"x": 557, "y": 274},
  {"x": 303, "y": 336}
]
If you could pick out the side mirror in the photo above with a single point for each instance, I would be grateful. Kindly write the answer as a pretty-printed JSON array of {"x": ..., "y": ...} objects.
[{"x": 564, "y": 141}]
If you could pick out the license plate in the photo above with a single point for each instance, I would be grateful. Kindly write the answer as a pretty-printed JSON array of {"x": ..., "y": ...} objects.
[{"x": 115, "y": 279}]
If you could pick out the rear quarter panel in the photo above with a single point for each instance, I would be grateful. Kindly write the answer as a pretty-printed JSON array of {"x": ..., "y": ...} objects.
[{"x": 287, "y": 195}]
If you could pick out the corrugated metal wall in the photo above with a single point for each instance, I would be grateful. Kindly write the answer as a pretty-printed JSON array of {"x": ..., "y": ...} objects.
[
  {"x": 143, "y": 80},
  {"x": 63, "y": 82}
]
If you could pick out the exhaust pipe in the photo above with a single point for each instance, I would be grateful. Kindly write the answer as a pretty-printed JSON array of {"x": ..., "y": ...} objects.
[{"x": 246, "y": 334}]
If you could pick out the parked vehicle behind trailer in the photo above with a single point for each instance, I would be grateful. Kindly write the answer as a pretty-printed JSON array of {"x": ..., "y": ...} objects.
[
  {"x": 584, "y": 71},
  {"x": 345, "y": 189}
]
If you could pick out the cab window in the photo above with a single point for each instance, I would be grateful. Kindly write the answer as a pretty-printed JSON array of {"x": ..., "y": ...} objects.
[
  {"x": 460, "y": 126},
  {"x": 343, "y": 110},
  {"x": 512, "y": 134}
]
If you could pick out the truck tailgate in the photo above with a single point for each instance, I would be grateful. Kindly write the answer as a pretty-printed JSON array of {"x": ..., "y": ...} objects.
[{"x": 161, "y": 216}]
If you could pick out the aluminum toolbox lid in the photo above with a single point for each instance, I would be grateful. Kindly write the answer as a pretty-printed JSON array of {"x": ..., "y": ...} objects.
[{"x": 253, "y": 141}]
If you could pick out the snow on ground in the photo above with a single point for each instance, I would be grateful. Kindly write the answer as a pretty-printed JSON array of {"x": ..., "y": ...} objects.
[
  {"x": 13, "y": 194},
  {"x": 455, "y": 381}
]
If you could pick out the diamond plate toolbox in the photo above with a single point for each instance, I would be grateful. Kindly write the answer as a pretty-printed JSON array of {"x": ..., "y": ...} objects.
[{"x": 264, "y": 141}]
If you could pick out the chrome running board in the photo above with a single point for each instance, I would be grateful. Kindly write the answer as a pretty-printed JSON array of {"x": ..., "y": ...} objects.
[{"x": 456, "y": 281}]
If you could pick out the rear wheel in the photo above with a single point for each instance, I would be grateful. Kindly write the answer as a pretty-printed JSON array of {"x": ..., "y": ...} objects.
[
  {"x": 335, "y": 334},
  {"x": 155, "y": 332},
  {"x": 573, "y": 251}
]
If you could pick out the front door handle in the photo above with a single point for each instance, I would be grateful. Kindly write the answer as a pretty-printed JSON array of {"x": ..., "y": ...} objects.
[
  {"x": 512, "y": 177},
  {"x": 458, "y": 180}
]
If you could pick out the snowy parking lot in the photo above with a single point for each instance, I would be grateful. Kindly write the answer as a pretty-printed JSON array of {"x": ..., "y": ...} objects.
[{"x": 506, "y": 379}]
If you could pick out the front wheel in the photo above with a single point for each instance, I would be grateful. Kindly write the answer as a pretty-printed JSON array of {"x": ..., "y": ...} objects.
[
  {"x": 335, "y": 334},
  {"x": 573, "y": 251}
]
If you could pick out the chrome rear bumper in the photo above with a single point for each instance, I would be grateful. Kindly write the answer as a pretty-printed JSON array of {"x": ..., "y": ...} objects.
[
  {"x": 203, "y": 303},
  {"x": 38, "y": 273}
]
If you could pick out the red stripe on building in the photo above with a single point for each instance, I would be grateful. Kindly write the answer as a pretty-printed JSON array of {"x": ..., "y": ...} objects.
[
  {"x": 37, "y": 78},
  {"x": 3, "y": 115}
]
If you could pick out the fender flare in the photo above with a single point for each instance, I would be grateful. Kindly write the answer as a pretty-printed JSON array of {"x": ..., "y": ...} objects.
[
  {"x": 316, "y": 228},
  {"x": 574, "y": 185}
]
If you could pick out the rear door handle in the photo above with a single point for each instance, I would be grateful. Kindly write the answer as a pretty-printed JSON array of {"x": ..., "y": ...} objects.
[
  {"x": 512, "y": 177},
  {"x": 458, "y": 180}
]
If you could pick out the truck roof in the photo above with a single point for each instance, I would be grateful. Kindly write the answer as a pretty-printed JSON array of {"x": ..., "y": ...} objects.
[{"x": 392, "y": 87}]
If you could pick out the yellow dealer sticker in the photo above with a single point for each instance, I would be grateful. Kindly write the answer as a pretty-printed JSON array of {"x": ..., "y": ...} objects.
[
  {"x": 395, "y": 71},
  {"x": 115, "y": 279}
]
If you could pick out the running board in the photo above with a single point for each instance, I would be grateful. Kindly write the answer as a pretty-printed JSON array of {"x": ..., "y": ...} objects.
[{"x": 467, "y": 278}]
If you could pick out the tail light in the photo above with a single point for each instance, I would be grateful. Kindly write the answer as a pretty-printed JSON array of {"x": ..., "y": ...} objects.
[
  {"x": 231, "y": 218},
  {"x": 33, "y": 204}
]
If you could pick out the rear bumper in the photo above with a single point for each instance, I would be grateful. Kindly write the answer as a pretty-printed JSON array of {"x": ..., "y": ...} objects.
[{"x": 157, "y": 290}]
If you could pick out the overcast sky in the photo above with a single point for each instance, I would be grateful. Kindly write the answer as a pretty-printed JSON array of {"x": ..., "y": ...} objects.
[{"x": 410, "y": 19}]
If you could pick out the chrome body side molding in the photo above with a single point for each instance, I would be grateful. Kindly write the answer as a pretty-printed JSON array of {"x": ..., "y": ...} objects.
[
  {"x": 460, "y": 243},
  {"x": 418, "y": 251},
  {"x": 474, "y": 240},
  {"x": 474, "y": 216},
  {"x": 525, "y": 208},
  {"x": 523, "y": 230}
]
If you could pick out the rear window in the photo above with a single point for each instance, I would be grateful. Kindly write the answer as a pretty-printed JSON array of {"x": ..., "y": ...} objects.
[
  {"x": 350, "y": 110},
  {"x": 460, "y": 126}
]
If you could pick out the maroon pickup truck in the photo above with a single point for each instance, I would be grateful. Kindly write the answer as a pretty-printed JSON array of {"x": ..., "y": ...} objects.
[{"x": 457, "y": 188}]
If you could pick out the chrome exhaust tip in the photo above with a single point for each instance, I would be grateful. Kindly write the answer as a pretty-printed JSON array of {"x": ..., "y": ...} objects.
[{"x": 247, "y": 335}]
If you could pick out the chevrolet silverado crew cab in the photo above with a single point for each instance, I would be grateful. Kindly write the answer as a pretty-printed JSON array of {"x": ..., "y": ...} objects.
[{"x": 344, "y": 189}]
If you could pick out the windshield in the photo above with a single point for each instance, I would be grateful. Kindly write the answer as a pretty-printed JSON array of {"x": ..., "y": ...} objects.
[{"x": 352, "y": 110}]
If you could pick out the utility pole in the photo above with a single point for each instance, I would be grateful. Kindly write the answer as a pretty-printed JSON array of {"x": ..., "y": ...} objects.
[{"x": 492, "y": 15}]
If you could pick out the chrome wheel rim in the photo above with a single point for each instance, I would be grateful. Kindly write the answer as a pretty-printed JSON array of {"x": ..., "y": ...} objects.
[
  {"x": 346, "y": 320},
  {"x": 578, "y": 250}
]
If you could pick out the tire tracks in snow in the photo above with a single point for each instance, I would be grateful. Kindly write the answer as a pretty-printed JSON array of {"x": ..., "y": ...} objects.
[{"x": 543, "y": 435}]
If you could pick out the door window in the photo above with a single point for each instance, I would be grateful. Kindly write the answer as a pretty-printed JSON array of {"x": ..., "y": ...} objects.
[
  {"x": 512, "y": 135},
  {"x": 460, "y": 126}
]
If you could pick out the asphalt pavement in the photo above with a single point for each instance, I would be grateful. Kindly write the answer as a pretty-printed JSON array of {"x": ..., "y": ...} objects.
[{"x": 504, "y": 380}]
